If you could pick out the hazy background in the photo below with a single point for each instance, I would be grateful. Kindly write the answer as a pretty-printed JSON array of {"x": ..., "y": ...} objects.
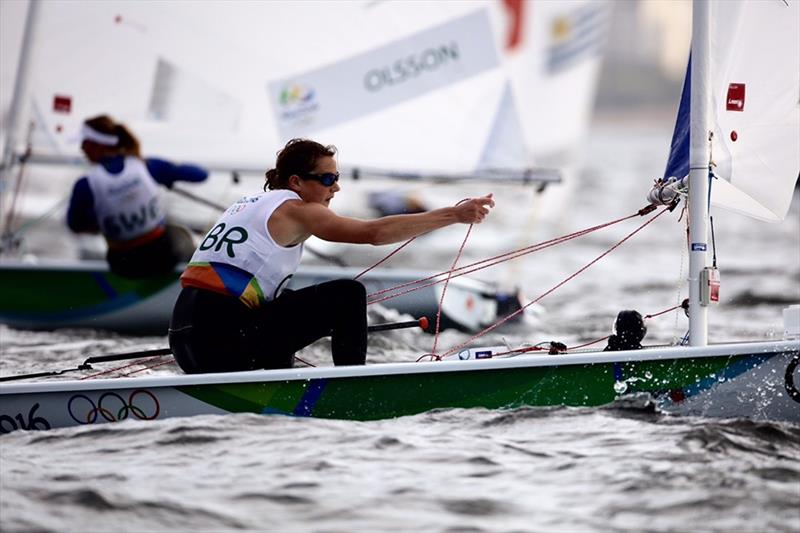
[
  {"x": 641, "y": 77},
  {"x": 623, "y": 468}
]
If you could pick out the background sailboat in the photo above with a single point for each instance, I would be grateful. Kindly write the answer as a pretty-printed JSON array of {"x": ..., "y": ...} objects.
[
  {"x": 406, "y": 89},
  {"x": 496, "y": 84},
  {"x": 414, "y": 89}
]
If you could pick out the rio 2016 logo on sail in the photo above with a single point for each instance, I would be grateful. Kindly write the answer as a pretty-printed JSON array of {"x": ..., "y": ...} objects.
[
  {"x": 142, "y": 404},
  {"x": 297, "y": 101}
]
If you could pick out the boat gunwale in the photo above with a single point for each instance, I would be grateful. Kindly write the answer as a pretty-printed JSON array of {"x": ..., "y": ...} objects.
[
  {"x": 406, "y": 275},
  {"x": 406, "y": 368}
]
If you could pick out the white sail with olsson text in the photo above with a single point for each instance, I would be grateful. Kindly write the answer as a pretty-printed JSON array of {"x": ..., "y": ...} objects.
[{"x": 419, "y": 85}]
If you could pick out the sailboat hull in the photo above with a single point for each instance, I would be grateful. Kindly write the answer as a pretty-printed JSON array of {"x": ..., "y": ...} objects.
[
  {"x": 86, "y": 295},
  {"x": 754, "y": 380}
]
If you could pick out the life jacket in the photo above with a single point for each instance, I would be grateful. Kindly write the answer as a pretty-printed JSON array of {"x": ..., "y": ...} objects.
[
  {"x": 128, "y": 205},
  {"x": 239, "y": 257}
]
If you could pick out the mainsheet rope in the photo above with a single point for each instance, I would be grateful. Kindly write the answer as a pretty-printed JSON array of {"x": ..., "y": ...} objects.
[
  {"x": 494, "y": 326},
  {"x": 548, "y": 344},
  {"x": 446, "y": 283},
  {"x": 489, "y": 262},
  {"x": 135, "y": 363}
]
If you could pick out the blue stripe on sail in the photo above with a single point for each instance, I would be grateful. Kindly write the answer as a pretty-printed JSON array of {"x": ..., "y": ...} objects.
[
  {"x": 678, "y": 161},
  {"x": 310, "y": 397}
]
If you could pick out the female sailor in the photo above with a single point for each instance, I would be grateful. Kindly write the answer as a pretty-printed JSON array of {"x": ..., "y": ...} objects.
[
  {"x": 233, "y": 312},
  {"x": 120, "y": 198}
]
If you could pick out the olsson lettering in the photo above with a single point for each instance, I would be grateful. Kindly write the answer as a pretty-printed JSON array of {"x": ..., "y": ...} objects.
[
  {"x": 234, "y": 235},
  {"x": 411, "y": 66}
]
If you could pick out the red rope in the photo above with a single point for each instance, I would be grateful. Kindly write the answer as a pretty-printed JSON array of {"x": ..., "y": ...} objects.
[
  {"x": 162, "y": 363},
  {"x": 444, "y": 289},
  {"x": 539, "y": 348},
  {"x": 387, "y": 257},
  {"x": 489, "y": 262},
  {"x": 395, "y": 251},
  {"x": 135, "y": 363},
  {"x": 662, "y": 312},
  {"x": 578, "y": 272},
  {"x": 585, "y": 344}
]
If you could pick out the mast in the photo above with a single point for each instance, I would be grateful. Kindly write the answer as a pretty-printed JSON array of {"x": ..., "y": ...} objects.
[
  {"x": 18, "y": 100},
  {"x": 699, "y": 167}
]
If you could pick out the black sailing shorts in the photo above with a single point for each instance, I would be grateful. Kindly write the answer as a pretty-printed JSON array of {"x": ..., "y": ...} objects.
[{"x": 212, "y": 332}]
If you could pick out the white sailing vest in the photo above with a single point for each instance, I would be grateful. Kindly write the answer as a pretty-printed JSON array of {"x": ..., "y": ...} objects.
[
  {"x": 128, "y": 205},
  {"x": 241, "y": 238}
]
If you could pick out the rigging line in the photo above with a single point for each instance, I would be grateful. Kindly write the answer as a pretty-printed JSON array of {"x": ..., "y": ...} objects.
[
  {"x": 47, "y": 214},
  {"x": 507, "y": 256},
  {"x": 304, "y": 361},
  {"x": 585, "y": 344},
  {"x": 557, "y": 286},
  {"x": 90, "y": 376},
  {"x": 162, "y": 363},
  {"x": 461, "y": 272},
  {"x": 679, "y": 284},
  {"x": 387, "y": 257},
  {"x": 713, "y": 243},
  {"x": 539, "y": 348},
  {"x": 456, "y": 273},
  {"x": 11, "y": 215},
  {"x": 444, "y": 289},
  {"x": 674, "y": 307},
  {"x": 408, "y": 283}
]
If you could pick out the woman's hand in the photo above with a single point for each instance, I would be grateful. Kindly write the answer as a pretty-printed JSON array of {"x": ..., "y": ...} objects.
[{"x": 474, "y": 210}]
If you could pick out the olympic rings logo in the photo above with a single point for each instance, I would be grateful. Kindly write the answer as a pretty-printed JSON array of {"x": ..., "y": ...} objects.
[{"x": 141, "y": 404}]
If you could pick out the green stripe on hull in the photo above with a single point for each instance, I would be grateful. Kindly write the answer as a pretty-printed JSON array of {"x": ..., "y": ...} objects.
[
  {"x": 45, "y": 292},
  {"x": 275, "y": 397},
  {"x": 385, "y": 396}
]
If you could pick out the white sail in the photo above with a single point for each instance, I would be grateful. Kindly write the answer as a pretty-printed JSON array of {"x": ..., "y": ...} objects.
[
  {"x": 409, "y": 85},
  {"x": 755, "y": 107},
  {"x": 756, "y": 101}
]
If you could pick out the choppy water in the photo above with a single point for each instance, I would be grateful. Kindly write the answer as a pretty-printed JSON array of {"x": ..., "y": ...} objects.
[{"x": 625, "y": 467}]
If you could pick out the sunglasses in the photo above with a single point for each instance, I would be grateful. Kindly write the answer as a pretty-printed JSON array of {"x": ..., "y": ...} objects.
[{"x": 327, "y": 179}]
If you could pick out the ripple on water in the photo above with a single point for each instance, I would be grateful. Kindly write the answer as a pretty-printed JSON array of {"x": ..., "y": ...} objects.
[{"x": 475, "y": 506}]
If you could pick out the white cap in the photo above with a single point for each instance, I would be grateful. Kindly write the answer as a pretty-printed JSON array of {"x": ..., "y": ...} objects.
[{"x": 88, "y": 133}]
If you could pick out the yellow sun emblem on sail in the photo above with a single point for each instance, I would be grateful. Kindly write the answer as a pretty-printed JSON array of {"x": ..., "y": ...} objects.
[{"x": 561, "y": 29}]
